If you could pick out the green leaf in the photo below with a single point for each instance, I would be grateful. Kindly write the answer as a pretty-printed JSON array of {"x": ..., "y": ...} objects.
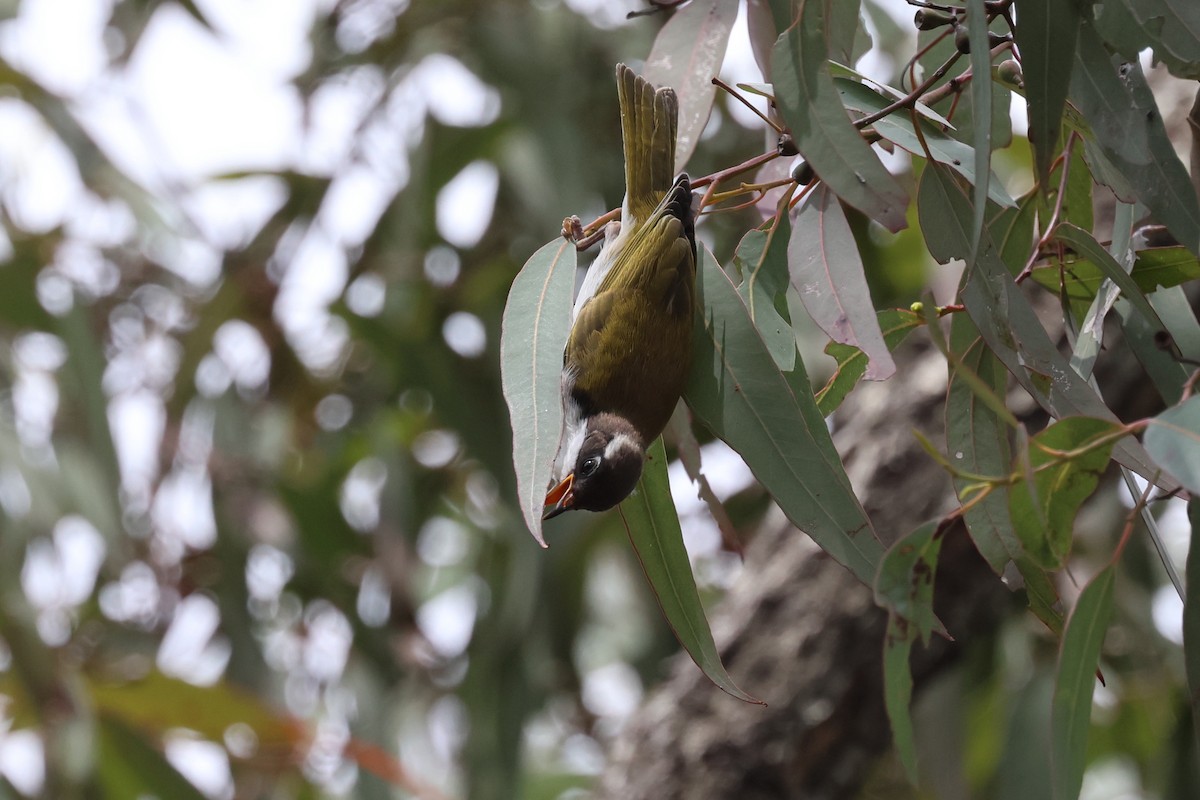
[
  {"x": 653, "y": 526},
  {"x": 1043, "y": 512},
  {"x": 895, "y": 323},
  {"x": 1170, "y": 27},
  {"x": 533, "y": 333},
  {"x": 1041, "y": 594},
  {"x": 737, "y": 391},
  {"x": 1079, "y": 278},
  {"x": 1173, "y": 438},
  {"x": 1191, "y": 616},
  {"x": 1072, "y": 710},
  {"x": 833, "y": 147},
  {"x": 1084, "y": 244},
  {"x": 1128, "y": 126},
  {"x": 897, "y": 692},
  {"x": 1004, "y": 316},
  {"x": 827, "y": 273},
  {"x": 898, "y": 128},
  {"x": 904, "y": 585},
  {"x": 687, "y": 54},
  {"x": 981, "y": 104},
  {"x": 1046, "y": 33},
  {"x": 977, "y": 441},
  {"x": 761, "y": 261}
]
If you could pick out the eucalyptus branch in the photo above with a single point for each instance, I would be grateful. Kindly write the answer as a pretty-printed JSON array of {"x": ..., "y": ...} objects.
[{"x": 738, "y": 96}]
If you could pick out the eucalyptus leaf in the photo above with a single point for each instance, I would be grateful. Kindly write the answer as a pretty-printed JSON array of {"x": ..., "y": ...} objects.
[
  {"x": 1128, "y": 126},
  {"x": 1173, "y": 438},
  {"x": 533, "y": 334},
  {"x": 904, "y": 585},
  {"x": 653, "y": 526},
  {"x": 1067, "y": 459},
  {"x": 737, "y": 391},
  {"x": 895, "y": 324},
  {"x": 1005, "y": 318},
  {"x": 1072, "y": 709},
  {"x": 823, "y": 133},
  {"x": 687, "y": 54},
  {"x": 897, "y": 691},
  {"x": 1191, "y": 616},
  {"x": 981, "y": 104},
  {"x": 1046, "y": 33},
  {"x": 762, "y": 262},
  {"x": 827, "y": 273},
  {"x": 1170, "y": 27}
]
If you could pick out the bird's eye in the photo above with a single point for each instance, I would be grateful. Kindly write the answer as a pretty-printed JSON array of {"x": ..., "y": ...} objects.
[{"x": 589, "y": 466}]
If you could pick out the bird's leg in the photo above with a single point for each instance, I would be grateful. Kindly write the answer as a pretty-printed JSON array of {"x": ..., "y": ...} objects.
[{"x": 600, "y": 228}]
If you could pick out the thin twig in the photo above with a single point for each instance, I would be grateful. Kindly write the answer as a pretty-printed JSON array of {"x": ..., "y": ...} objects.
[
  {"x": 737, "y": 96},
  {"x": 1051, "y": 227}
]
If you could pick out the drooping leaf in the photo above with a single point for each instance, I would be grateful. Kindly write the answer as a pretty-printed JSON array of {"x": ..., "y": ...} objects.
[
  {"x": 1084, "y": 244},
  {"x": 1173, "y": 438},
  {"x": 532, "y": 337},
  {"x": 904, "y": 585},
  {"x": 1067, "y": 459},
  {"x": 1128, "y": 126},
  {"x": 897, "y": 691},
  {"x": 1191, "y": 616},
  {"x": 679, "y": 432},
  {"x": 827, "y": 272},
  {"x": 1072, "y": 710},
  {"x": 812, "y": 110},
  {"x": 1004, "y": 316},
  {"x": 898, "y": 128},
  {"x": 981, "y": 104},
  {"x": 737, "y": 391},
  {"x": 1170, "y": 27},
  {"x": 895, "y": 323},
  {"x": 687, "y": 54},
  {"x": 977, "y": 441},
  {"x": 1080, "y": 278},
  {"x": 1041, "y": 594},
  {"x": 1046, "y": 34},
  {"x": 653, "y": 526},
  {"x": 762, "y": 262},
  {"x": 1165, "y": 371}
]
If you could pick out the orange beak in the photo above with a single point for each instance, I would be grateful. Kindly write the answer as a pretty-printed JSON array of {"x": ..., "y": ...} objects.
[{"x": 559, "y": 499}]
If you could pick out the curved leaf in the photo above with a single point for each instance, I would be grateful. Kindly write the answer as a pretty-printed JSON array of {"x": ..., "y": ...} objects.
[
  {"x": 895, "y": 323},
  {"x": 1170, "y": 27},
  {"x": 533, "y": 334},
  {"x": 1046, "y": 33},
  {"x": 1128, "y": 127},
  {"x": 810, "y": 105},
  {"x": 827, "y": 272},
  {"x": 897, "y": 691},
  {"x": 653, "y": 527},
  {"x": 1085, "y": 244},
  {"x": 1072, "y": 710},
  {"x": 904, "y": 585},
  {"x": 1043, "y": 512},
  {"x": 981, "y": 104},
  {"x": 737, "y": 391},
  {"x": 1173, "y": 438},
  {"x": 687, "y": 54},
  {"x": 762, "y": 261},
  {"x": 1004, "y": 316}
]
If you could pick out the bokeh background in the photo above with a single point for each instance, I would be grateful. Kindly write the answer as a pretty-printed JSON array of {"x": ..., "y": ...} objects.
[{"x": 254, "y": 460}]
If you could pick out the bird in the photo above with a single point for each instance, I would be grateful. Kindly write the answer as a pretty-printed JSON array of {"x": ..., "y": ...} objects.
[{"x": 629, "y": 349}]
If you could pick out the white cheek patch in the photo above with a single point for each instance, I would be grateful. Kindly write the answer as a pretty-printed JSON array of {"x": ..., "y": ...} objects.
[
  {"x": 570, "y": 452},
  {"x": 619, "y": 442}
]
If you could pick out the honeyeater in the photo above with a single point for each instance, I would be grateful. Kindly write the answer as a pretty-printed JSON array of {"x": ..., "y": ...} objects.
[{"x": 629, "y": 351}]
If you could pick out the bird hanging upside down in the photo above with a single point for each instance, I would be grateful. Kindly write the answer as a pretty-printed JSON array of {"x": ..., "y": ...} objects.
[{"x": 630, "y": 346}]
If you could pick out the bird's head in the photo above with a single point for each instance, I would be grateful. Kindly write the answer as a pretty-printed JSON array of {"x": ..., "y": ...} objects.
[{"x": 605, "y": 470}]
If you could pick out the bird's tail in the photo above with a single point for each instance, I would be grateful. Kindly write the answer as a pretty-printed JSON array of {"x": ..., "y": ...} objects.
[{"x": 649, "y": 121}]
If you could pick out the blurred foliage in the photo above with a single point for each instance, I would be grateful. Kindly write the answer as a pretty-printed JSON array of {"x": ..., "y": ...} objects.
[{"x": 317, "y": 570}]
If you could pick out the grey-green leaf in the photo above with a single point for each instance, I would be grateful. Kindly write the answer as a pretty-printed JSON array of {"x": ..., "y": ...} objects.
[
  {"x": 904, "y": 585},
  {"x": 653, "y": 525},
  {"x": 1170, "y": 27},
  {"x": 1004, "y": 316},
  {"x": 533, "y": 333},
  {"x": 686, "y": 56},
  {"x": 824, "y": 135},
  {"x": 1127, "y": 124},
  {"x": 1072, "y": 710},
  {"x": 1191, "y": 615},
  {"x": 1046, "y": 32},
  {"x": 981, "y": 103},
  {"x": 897, "y": 691},
  {"x": 827, "y": 273},
  {"x": 737, "y": 391},
  {"x": 1173, "y": 438}
]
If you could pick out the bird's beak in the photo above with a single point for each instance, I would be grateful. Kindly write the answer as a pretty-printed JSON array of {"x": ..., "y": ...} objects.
[{"x": 559, "y": 499}]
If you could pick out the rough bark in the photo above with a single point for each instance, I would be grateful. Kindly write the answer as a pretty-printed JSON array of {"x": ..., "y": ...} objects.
[{"x": 801, "y": 633}]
